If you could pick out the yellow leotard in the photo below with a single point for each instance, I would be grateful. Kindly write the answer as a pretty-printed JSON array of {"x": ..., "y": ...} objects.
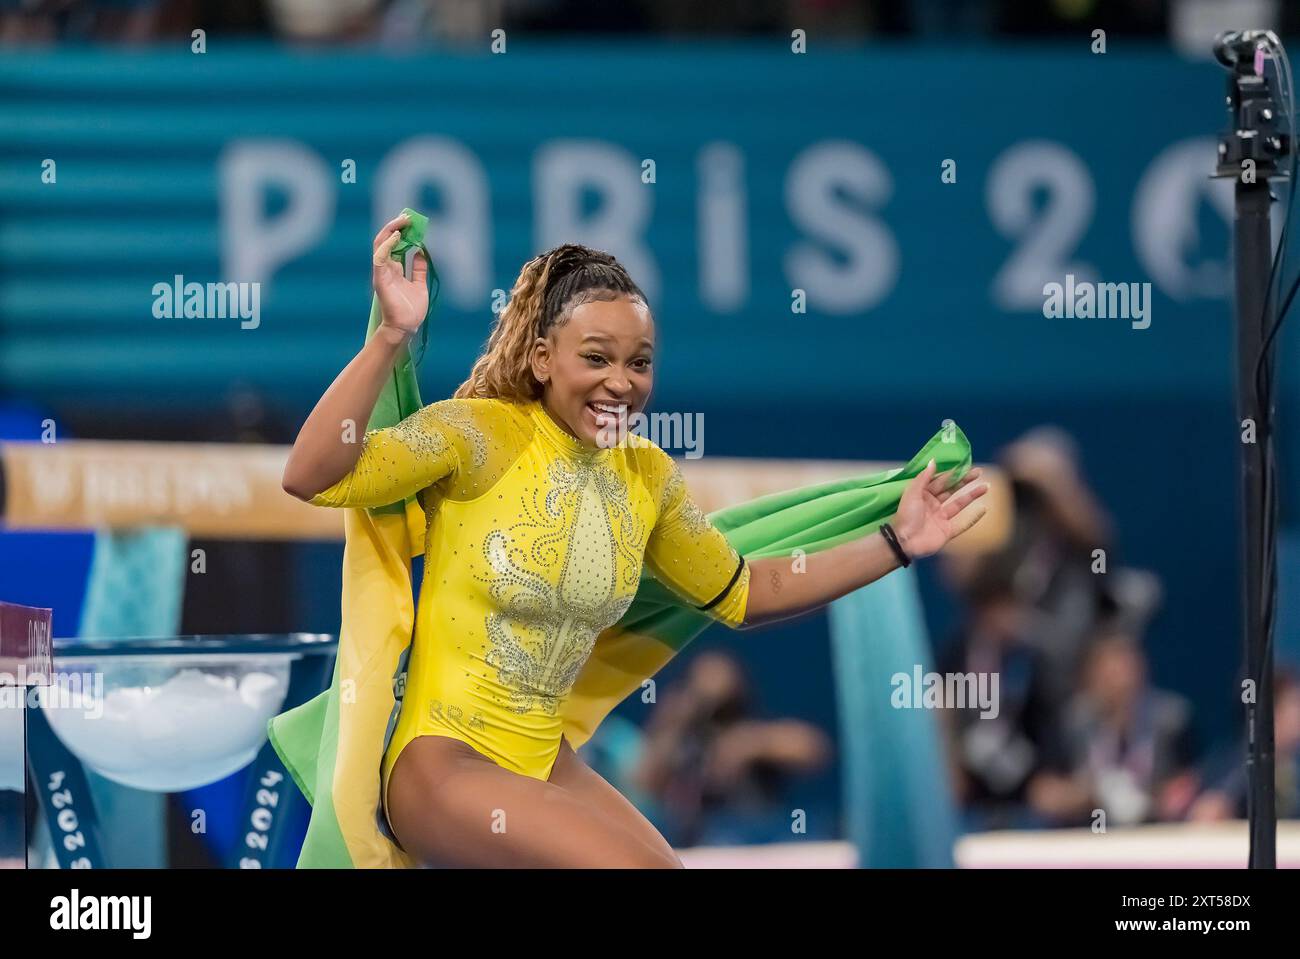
[{"x": 534, "y": 545}]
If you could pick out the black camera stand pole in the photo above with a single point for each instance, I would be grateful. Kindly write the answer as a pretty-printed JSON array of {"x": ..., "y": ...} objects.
[{"x": 1249, "y": 153}]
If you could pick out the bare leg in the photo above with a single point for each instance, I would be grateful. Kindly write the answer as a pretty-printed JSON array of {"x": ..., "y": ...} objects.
[
  {"x": 570, "y": 772},
  {"x": 449, "y": 805}
]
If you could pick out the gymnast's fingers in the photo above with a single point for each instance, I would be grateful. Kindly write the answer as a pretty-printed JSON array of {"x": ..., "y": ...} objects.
[
  {"x": 396, "y": 223},
  {"x": 943, "y": 483},
  {"x": 971, "y": 475},
  {"x": 968, "y": 494},
  {"x": 967, "y": 518},
  {"x": 385, "y": 249},
  {"x": 940, "y": 482}
]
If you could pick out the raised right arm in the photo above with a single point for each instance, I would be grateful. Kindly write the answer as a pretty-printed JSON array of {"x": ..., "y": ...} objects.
[
  {"x": 322, "y": 453},
  {"x": 331, "y": 441}
]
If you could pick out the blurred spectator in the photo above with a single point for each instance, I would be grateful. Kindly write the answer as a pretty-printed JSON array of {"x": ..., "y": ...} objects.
[
  {"x": 316, "y": 20},
  {"x": 1061, "y": 559},
  {"x": 714, "y": 774},
  {"x": 821, "y": 19},
  {"x": 127, "y": 21},
  {"x": 1131, "y": 744},
  {"x": 1195, "y": 24},
  {"x": 1080, "y": 17},
  {"x": 1058, "y": 524},
  {"x": 1227, "y": 797},
  {"x": 1035, "y": 604},
  {"x": 1001, "y": 763}
]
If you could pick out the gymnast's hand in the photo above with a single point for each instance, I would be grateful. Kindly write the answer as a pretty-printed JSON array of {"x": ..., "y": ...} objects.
[
  {"x": 930, "y": 514},
  {"x": 402, "y": 302}
]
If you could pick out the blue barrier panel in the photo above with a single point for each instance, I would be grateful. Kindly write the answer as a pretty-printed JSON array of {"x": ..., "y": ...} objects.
[{"x": 897, "y": 806}]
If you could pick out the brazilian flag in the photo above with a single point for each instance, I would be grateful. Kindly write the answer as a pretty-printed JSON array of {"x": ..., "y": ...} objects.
[{"x": 333, "y": 745}]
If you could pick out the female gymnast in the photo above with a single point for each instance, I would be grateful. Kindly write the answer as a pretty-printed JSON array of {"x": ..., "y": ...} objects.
[{"x": 538, "y": 527}]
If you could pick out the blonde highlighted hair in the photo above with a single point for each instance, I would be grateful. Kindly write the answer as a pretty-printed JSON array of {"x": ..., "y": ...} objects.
[{"x": 549, "y": 288}]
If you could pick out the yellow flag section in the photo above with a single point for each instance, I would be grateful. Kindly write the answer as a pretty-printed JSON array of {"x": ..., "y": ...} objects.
[{"x": 334, "y": 744}]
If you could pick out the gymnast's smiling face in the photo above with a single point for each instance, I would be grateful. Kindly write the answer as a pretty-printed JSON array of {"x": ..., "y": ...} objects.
[{"x": 597, "y": 368}]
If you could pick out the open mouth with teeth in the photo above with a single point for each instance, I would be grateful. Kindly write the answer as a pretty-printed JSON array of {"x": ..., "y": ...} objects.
[{"x": 605, "y": 414}]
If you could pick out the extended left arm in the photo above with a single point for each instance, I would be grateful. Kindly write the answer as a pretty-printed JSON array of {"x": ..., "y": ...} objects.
[{"x": 929, "y": 516}]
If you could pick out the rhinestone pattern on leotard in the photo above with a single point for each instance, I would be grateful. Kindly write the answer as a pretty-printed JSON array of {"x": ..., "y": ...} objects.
[
  {"x": 674, "y": 493},
  {"x": 541, "y": 632}
]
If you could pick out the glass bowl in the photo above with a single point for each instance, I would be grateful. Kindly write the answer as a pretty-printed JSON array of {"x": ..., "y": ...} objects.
[{"x": 174, "y": 713}]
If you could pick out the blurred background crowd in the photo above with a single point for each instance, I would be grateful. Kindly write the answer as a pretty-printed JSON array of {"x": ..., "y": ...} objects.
[{"x": 407, "y": 22}]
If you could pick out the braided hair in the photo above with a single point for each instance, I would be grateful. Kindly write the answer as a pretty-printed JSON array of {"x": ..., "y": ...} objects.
[{"x": 549, "y": 288}]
